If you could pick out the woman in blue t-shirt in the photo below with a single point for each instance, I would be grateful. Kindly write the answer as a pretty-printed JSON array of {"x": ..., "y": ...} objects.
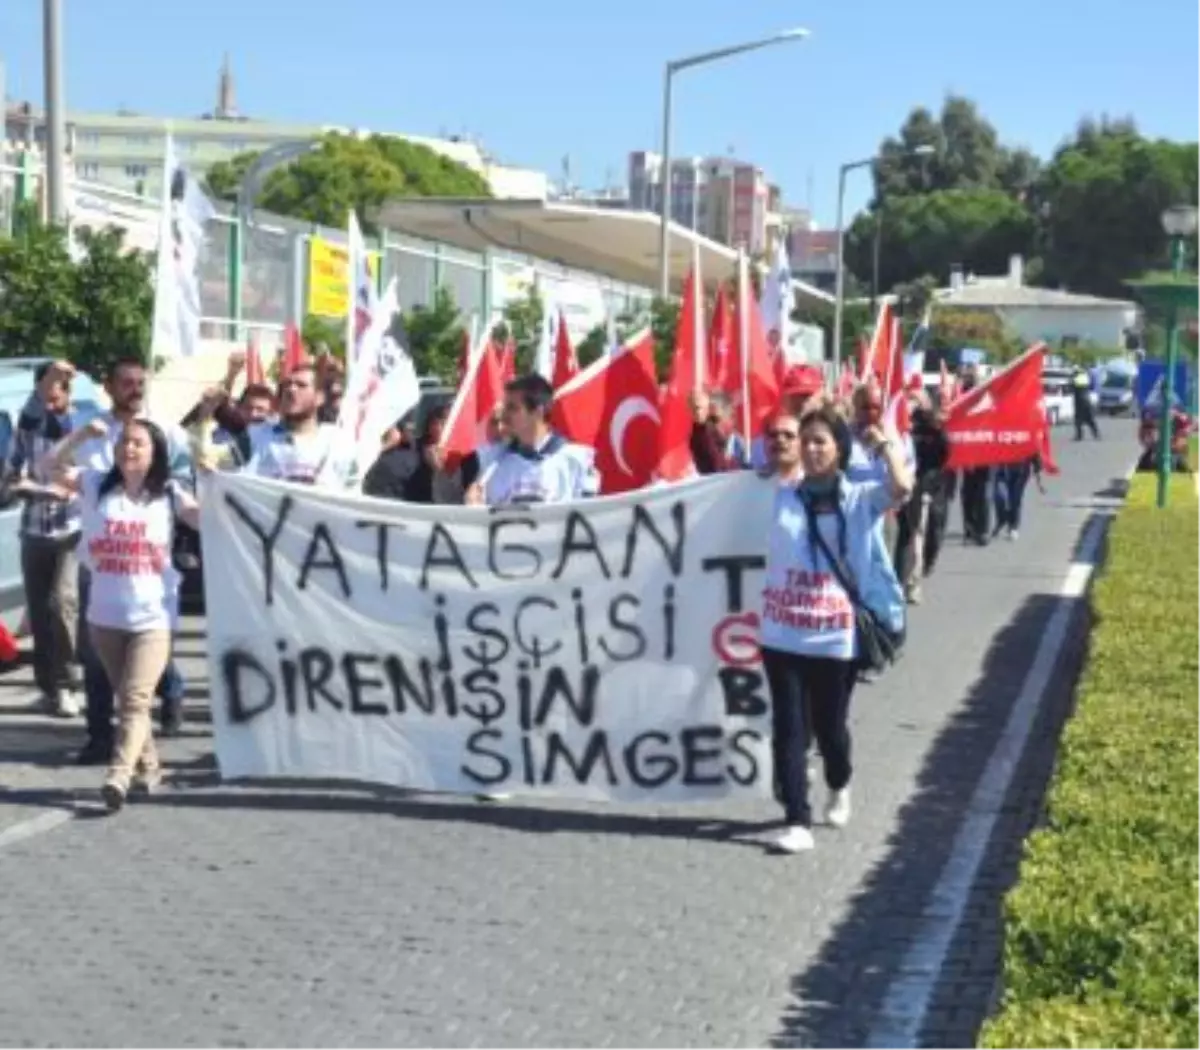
[{"x": 810, "y": 648}]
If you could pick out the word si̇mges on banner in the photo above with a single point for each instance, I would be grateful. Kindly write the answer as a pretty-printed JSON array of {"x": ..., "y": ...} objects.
[{"x": 546, "y": 650}]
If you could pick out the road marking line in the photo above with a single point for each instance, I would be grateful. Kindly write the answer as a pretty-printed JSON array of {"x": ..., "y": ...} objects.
[
  {"x": 38, "y": 825},
  {"x": 902, "y": 1014}
]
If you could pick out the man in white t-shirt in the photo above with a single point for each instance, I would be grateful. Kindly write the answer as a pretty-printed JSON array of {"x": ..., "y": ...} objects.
[
  {"x": 536, "y": 465},
  {"x": 298, "y": 448}
]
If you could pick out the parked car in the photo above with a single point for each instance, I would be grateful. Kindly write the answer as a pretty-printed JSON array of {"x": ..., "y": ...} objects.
[
  {"x": 16, "y": 385},
  {"x": 1116, "y": 394}
]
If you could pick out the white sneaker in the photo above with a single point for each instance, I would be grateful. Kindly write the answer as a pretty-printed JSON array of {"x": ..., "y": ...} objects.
[
  {"x": 1012, "y": 535},
  {"x": 493, "y": 796},
  {"x": 66, "y": 704},
  {"x": 837, "y": 809},
  {"x": 795, "y": 838}
]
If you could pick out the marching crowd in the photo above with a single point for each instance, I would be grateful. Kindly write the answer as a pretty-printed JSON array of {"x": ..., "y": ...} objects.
[{"x": 860, "y": 513}]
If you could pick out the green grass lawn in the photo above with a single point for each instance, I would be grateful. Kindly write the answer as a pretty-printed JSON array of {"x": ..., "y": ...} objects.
[{"x": 1101, "y": 928}]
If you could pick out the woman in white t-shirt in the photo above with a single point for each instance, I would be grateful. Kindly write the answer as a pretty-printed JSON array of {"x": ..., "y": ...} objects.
[
  {"x": 128, "y": 516},
  {"x": 810, "y": 645}
]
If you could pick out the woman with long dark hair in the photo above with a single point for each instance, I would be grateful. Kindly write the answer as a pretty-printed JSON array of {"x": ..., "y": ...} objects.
[
  {"x": 821, "y": 568},
  {"x": 128, "y": 516}
]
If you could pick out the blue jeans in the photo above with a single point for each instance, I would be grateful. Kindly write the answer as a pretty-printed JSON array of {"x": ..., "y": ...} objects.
[
  {"x": 96, "y": 687},
  {"x": 1010, "y": 494}
]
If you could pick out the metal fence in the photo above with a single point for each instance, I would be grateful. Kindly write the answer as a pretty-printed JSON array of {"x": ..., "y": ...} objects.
[{"x": 256, "y": 275}]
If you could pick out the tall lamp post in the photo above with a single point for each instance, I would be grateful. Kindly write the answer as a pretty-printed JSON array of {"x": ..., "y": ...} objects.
[
  {"x": 673, "y": 67},
  {"x": 1179, "y": 223},
  {"x": 840, "y": 276},
  {"x": 56, "y": 135}
]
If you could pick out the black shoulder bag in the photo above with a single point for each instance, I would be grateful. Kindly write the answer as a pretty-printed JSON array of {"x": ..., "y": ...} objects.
[{"x": 878, "y": 645}]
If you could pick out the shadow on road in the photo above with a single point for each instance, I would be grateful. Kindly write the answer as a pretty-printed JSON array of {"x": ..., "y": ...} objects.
[{"x": 837, "y": 997}]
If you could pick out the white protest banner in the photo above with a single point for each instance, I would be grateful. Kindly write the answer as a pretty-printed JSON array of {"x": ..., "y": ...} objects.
[{"x": 605, "y": 649}]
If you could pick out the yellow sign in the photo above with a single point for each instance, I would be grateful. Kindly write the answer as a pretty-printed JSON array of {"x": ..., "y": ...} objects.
[{"x": 328, "y": 282}]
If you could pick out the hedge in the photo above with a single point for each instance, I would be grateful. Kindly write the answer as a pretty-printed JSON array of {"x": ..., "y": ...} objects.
[{"x": 1101, "y": 926}]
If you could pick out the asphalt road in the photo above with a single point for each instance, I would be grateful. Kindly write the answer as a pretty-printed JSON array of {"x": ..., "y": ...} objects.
[{"x": 310, "y": 914}]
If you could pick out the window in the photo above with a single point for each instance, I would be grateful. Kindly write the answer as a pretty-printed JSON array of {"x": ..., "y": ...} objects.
[
  {"x": 135, "y": 171},
  {"x": 87, "y": 138},
  {"x": 138, "y": 140},
  {"x": 89, "y": 170}
]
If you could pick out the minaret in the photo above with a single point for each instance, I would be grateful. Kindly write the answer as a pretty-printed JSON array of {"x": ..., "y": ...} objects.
[{"x": 226, "y": 99}]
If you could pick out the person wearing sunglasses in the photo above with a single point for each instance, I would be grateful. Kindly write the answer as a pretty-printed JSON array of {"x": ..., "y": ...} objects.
[{"x": 783, "y": 448}]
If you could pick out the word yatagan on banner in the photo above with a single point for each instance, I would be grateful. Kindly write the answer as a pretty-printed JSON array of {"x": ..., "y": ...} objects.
[{"x": 535, "y": 649}]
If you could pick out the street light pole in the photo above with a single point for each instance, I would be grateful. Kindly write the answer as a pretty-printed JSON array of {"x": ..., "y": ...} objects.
[
  {"x": 839, "y": 292},
  {"x": 56, "y": 134},
  {"x": 664, "y": 233},
  {"x": 671, "y": 68},
  {"x": 839, "y": 277},
  {"x": 1168, "y": 387}
]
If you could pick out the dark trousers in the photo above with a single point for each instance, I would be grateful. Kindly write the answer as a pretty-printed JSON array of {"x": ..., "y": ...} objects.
[
  {"x": 810, "y": 697},
  {"x": 975, "y": 504},
  {"x": 1085, "y": 418},
  {"x": 96, "y": 686},
  {"x": 941, "y": 492},
  {"x": 1010, "y": 494}
]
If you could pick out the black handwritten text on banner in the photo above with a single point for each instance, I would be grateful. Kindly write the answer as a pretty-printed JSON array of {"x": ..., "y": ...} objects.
[{"x": 605, "y": 649}]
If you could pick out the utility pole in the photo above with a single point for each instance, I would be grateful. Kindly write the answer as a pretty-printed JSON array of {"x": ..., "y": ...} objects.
[{"x": 56, "y": 191}]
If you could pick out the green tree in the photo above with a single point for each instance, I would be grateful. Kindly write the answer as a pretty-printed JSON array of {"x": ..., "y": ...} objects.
[
  {"x": 434, "y": 336},
  {"x": 664, "y": 320},
  {"x": 350, "y": 173},
  {"x": 90, "y": 311},
  {"x": 956, "y": 329},
  {"x": 926, "y": 234},
  {"x": 592, "y": 345},
  {"x": 1100, "y": 202},
  {"x": 522, "y": 320},
  {"x": 319, "y": 333}
]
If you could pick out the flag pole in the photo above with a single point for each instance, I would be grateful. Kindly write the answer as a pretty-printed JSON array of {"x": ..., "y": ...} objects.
[
  {"x": 698, "y": 342},
  {"x": 744, "y": 339},
  {"x": 351, "y": 296}
]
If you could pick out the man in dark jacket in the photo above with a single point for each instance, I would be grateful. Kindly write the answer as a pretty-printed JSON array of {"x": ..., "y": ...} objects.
[
  {"x": 1085, "y": 414},
  {"x": 411, "y": 470},
  {"x": 976, "y": 510},
  {"x": 922, "y": 520}
]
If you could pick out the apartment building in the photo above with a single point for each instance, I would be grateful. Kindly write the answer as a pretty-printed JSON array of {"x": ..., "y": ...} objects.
[{"x": 725, "y": 199}]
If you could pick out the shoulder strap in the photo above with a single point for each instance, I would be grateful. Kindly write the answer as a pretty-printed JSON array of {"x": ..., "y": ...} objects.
[{"x": 840, "y": 570}]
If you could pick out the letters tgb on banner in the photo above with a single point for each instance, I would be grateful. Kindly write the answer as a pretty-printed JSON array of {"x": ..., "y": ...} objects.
[{"x": 604, "y": 649}]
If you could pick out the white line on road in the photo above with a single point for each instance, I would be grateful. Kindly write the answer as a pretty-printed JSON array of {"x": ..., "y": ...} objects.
[
  {"x": 26, "y": 829},
  {"x": 902, "y": 1014}
]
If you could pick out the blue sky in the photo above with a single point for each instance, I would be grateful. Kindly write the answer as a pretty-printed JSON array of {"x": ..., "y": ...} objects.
[{"x": 540, "y": 79}]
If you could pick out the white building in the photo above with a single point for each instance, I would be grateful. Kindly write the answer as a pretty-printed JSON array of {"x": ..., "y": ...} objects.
[
  {"x": 125, "y": 150},
  {"x": 1054, "y": 317}
]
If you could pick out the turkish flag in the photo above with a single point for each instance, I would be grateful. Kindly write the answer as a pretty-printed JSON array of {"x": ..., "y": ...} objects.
[
  {"x": 478, "y": 395},
  {"x": 464, "y": 357},
  {"x": 878, "y": 355},
  {"x": 752, "y": 382},
  {"x": 506, "y": 359},
  {"x": 1002, "y": 420},
  {"x": 845, "y": 382},
  {"x": 566, "y": 366},
  {"x": 293, "y": 351},
  {"x": 895, "y": 396},
  {"x": 612, "y": 407},
  {"x": 674, "y": 436},
  {"x": 720, "y": 339},
  {"x": 256, "y": 375}
]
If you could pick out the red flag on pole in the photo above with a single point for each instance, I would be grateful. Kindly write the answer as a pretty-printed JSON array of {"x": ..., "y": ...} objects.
[
  {"x": 478, "y": 395},
  {"x": 256, "y": 375},
  {"x": 565, "y": 366},
  {"x": 674, "y": 436},
  {"x": 293, "y": 351},
  {"x": 1002, "y": 420}
]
